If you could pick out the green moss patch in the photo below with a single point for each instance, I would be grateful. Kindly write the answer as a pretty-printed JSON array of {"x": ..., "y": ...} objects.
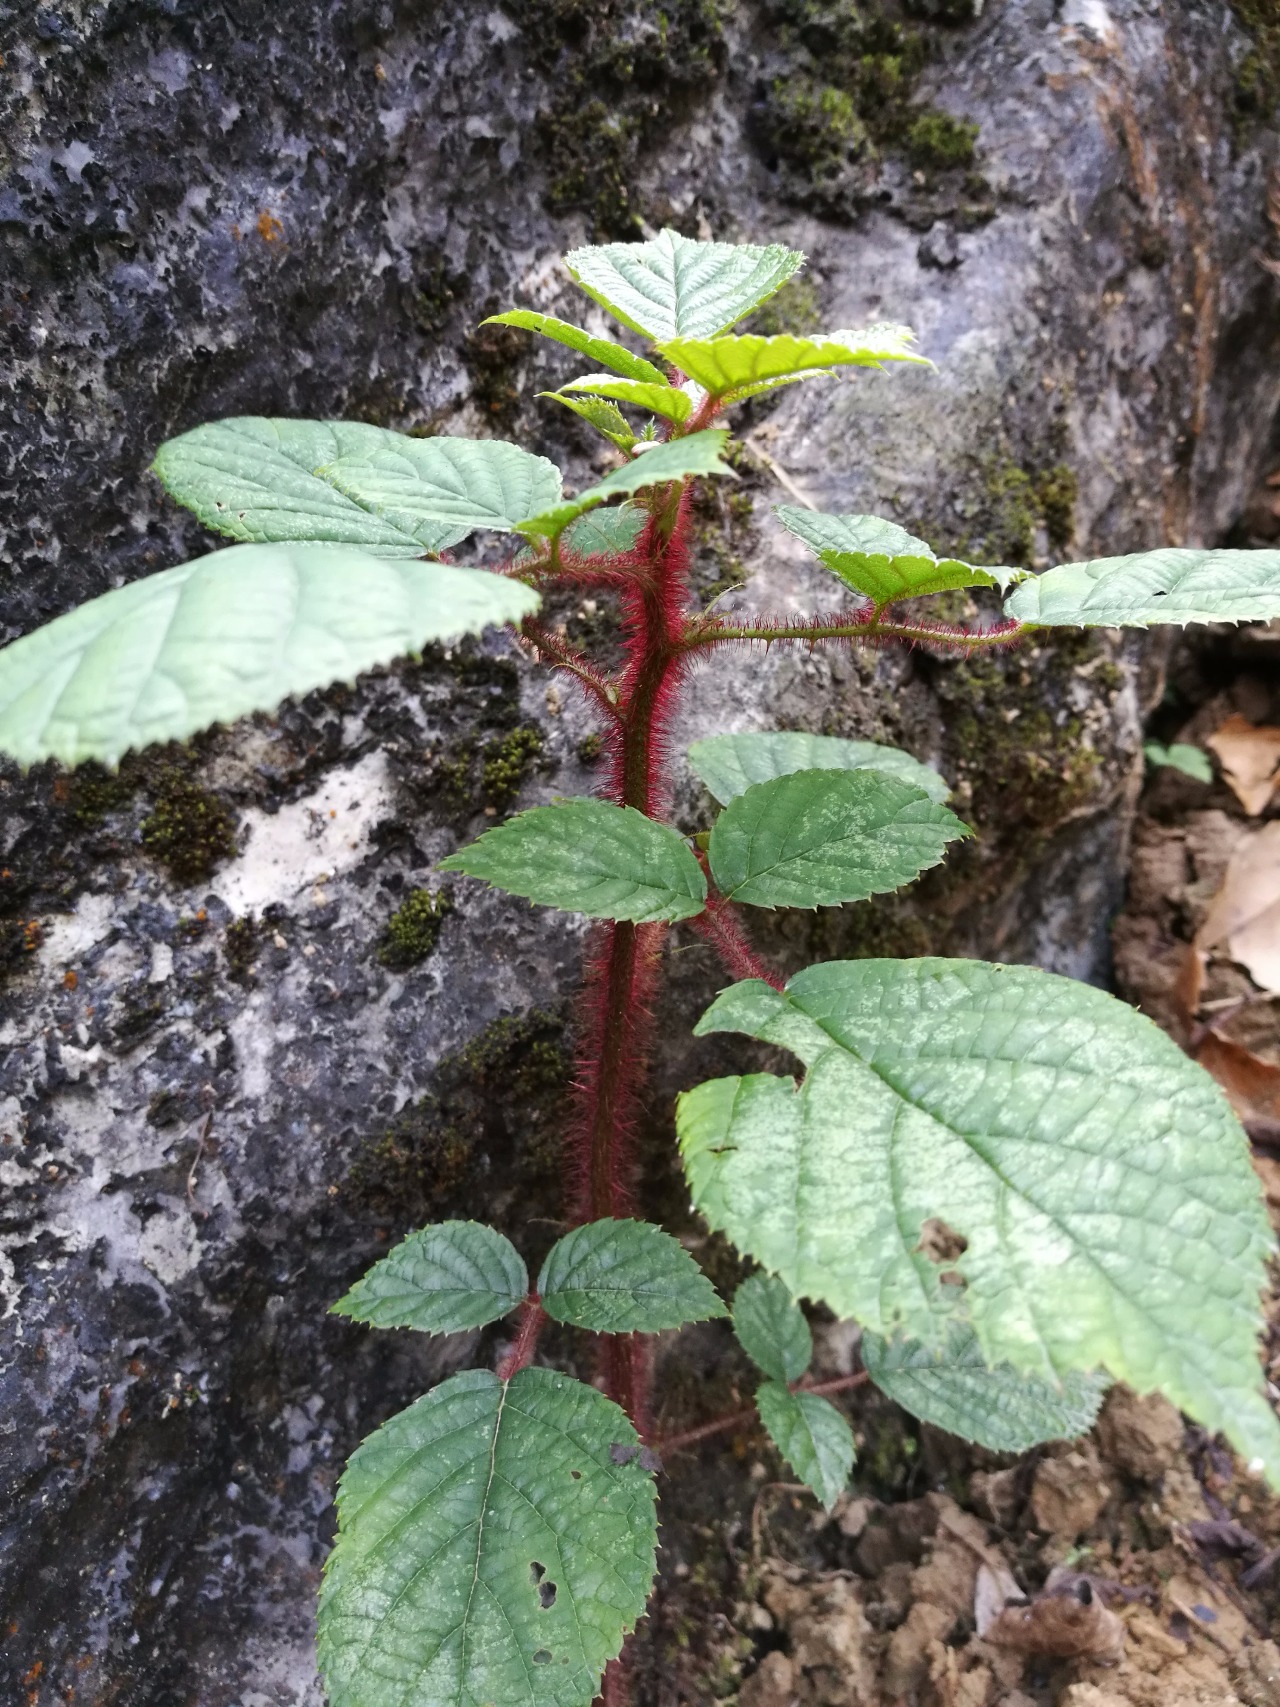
[
  {"x": 189, "y": 830},
  {"x": 413, "y": 929}
]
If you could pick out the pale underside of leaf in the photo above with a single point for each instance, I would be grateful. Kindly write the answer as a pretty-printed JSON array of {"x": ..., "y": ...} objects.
[
  {"x": 490, "y": 1549},
  {"x": 882, "y": 560},
  {"x": 819, "y": 838},
  {"x": 661, "y": 464},
  {"x": 673, "y": 287},
  {"x": 1173, "y": 585},
  {"x": 599, "y": 413},
  {"x": 466, "y": 483},
  {"x": 602, "y": 350},
  {"x": 735, "y": 366},
  {"x": 441, "y": 1280},
  {"x": 621, "y": 1277},
  {"x": 604, "y": 533},
  {"x": 771, "y": 1328},
  {"x": 586, "y": 856},
  {"x": 233, "y": 633},
  {"x": 1102, "y": 1184},
  {"x": 1001, "y": 1409},
  {"x": 729, "y": 764},
  {"x": 267, "y": 481},
  {"x": 811, "y": 1435},
  {"x": 666, "y": 400}
]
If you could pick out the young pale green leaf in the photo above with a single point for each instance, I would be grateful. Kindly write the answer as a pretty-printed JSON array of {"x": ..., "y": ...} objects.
[
  {"x": 496, "y": 1542},
  {"x": 451, "y": 1276},
  {"x": 736, "y": 367},
  {"x": 659, "y": 465},
  {"x": 586, "y": 856},
  {"x": 666, "y": 400},
  {"x": 881, "y": 560},
  {"x": 674, "y": 287},
  {"x": 229, "y": 634},
  {"x": 952, "y": 1387},
  {"x": 270, "y": 481},
  {"x": 602, "y": 350},
  {"x": 1174, "y": 585},
  {"x": 605, "y": 533},
  {"x": 729, "y": 764},
  {"x": 771, "y": 1328},
  {"x": 622, "y": 1277},
  {"x": 1191, "y": 761},
  {"x": 599, "y": 413},
  {"x": 818, "y": 838},
  {"x": 468, "y": 483},
  {"x": 811, "y": 1435},
  {"x": 1113, "y": 1221}
]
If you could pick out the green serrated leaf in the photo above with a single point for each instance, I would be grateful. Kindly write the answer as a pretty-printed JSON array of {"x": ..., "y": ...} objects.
[
  {"x": 1173, "y": 585},
  {"x": 738, "y": 366},
  {"x": 227, "y": 635},
  {"x": 468, "y": 483},
  {"x": 267, "y": 481},
  {"x": 666, "y": 400},
  {"x": 952, "y": 1387},
  {"x": 605, "y": 533},
  {"x": 602, "y": 350},
  {"x": 883, "y": 561},
  {"x": 771, "y": 1328},
  {"x": 496, "y": 1542},
  {"x": 811, "y": 1435},
  {"x": 604, "y": 416},
  {"x": 818, "y": 838},
  {"x": 674, "y": 287},
  {"x": 451, "y": 1276},
  {"x": 697, "y": 453},
  {"x": 1099, "y": 1177},
  {"x": 729, "y": 764},
  {"x": 1191, "y": 761},
  {"x": 622, "y": 1277},
  {"x": 586, "y": 856}
]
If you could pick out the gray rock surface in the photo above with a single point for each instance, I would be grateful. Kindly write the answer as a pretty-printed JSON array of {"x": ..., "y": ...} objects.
[{"x": 217, "y": 1102}]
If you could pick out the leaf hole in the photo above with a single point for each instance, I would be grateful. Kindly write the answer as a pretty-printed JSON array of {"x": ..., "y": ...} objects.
[
  {"x": 542, "y": 1657},
  {"x": 536, "y": 1572},
  {"x": 546, "y": 1595},
  {"x": 576, "y": 1474},
  {"x": 939, "y": 1242}
]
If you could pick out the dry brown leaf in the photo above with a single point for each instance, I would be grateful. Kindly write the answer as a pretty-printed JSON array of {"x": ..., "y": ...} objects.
[
  {"x": 1245, "y": 913},
  {"x": 1069, "y": 1624},
  {"x": 1250, "y": 758},
  {"x": 1188, "y": 986},
  {"x": 1252, "y": 1084}
]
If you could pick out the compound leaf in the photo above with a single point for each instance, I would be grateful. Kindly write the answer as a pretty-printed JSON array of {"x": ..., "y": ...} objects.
[
  {"x": 440, "y": 1280},
  {"x": 602, "y": 350},
  {"x": 952, "y": 1387},
  {"x": 817, "y": 838},
  {"x": 496, "y": 1542},
  {"x": 1175, "y": 585},
  {"x": 586, "y": 856},
  {"x": 674, "y": 287},
  {"x": 622, "y": 1277},
  {"x": 729, "y": 764},
  {"x": 881, "y": 560},
  {"x": 1098, "y": 1178},
  {"x": 738, "y": 366},
  {"x": 229, "y": 634},
  {"x": 662, "y": 399},
  {"x": 599, "y": 413},
  {"x": 267, "y": 481},
  {"x": 468, "y": 483},
  {"x": 811, "y": 1435},
  {"x": 771, "y": 1328},
  {"x": 657, "y": 465}
]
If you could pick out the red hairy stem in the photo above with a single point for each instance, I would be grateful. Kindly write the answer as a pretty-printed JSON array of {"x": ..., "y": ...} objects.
[
  {"x": 725, "y": 934},
  {"x": 563, "y": 656},
  {"x": 531, "y": 1318},
  {"x": 857, "y": 626},
  {"x": 723, "y": 1425}
]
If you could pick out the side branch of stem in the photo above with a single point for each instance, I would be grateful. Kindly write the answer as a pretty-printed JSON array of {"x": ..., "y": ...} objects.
[{"x": 703, "y": 636}]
